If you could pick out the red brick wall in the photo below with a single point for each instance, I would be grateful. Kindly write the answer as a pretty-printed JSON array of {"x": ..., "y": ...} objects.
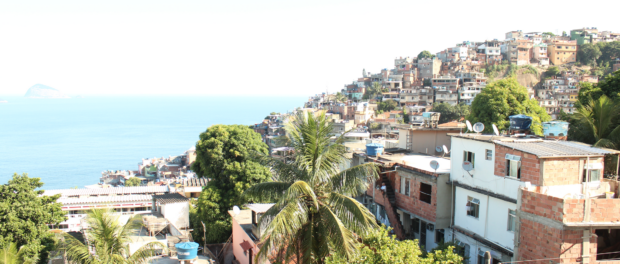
[
  {"x": 561, "y": 171},
  {"x": 601, "y": 210},
  {"x": 538, "y": 241},
  {"x": 542, "y": 205},
  {"x": 412, "y": 202},
  {"x": 530, "y": 164}
]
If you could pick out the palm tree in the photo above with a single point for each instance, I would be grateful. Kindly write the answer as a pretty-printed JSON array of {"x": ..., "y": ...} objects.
[
  {"x": 596, "y": 122},
  {"x": 314, "y": 214},
  {"x": 109, "y": 242},
  {"x": 10, "y": 254},
  {"x": 340, "y": 97}
]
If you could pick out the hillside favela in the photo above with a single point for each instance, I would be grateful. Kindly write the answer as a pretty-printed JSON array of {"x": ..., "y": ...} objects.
[{"x": 497, "y": 150}]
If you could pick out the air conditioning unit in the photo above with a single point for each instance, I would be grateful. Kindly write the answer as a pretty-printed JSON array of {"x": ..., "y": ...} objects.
[{"x": 430, "y": 227}]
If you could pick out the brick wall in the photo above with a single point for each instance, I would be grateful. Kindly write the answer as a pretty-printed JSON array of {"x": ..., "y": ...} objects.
[
  {"x": 601, "y": 210},
  {"x": 412, "y": 202},
  {"x": 561, "y": 171},
  {"x": 530, "y": 164},
  {"x": 542, "y": 205}
]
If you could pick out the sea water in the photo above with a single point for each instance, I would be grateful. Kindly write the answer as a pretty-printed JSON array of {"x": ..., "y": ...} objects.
[{"x": 69, "y": 142}]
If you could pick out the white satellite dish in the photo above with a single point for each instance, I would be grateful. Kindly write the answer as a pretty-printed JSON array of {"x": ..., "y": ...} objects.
[
  {"x": 495, "y": 130},
  {"x": 445, "y": 149},
  {"x": 467, "y": 166},
  {"x": 434, "y": 164},
  {"x": 468, "y": 126},
  {"x": 438, "y": 149},
  {"x": 236, "y": 210},
  {"x": 478, "y": 127}
]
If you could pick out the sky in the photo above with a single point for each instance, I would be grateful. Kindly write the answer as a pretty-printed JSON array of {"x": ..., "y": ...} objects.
[{"x": 248, "y": 47}]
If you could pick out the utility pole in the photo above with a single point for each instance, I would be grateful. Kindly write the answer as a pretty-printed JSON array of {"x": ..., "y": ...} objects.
[{"x": 204, "y": 238}]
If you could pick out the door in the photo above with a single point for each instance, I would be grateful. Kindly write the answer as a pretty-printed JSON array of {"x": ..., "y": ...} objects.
[{"x": 423, "y": 234}]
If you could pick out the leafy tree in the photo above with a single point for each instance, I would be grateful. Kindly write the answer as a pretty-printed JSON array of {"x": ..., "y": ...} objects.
[
  {"x": 609, "y": 51},
  {"x": 427, "y": 82},
  {"x": 611, "y": 85},
  {"x": 552, "y": 71},
  {"x": 372, "y": 91},
  {"x": 10, "y": 255},
  {"x": 340, "y": 97},
  {"x": 223, "y": 154},
  {"x": 589, "y": 53},
  {"x": 503, "y": 98},
  {"x": 133, "y": 181},
  {"x": 548, "y": 33},
  {"x": 425, "y": 54},
  {"x": 387, "y": 105},
  {"x": 381, "y": 248},
  {"x": 110, "y": 241},
  {"x": 24, "y": 215},
  {"x": 451, "y": 112},
  {"x": 597, "y": 122},
  {"x": 405, "y": 115},
  {"x": 314, "y": 214}
]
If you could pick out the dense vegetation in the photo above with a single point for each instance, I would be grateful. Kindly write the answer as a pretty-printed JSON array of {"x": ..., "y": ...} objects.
[{"x": 451, "y": 112}]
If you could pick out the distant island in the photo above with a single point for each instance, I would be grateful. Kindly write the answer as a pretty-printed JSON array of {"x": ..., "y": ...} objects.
[{"x": 44, "y": 91}]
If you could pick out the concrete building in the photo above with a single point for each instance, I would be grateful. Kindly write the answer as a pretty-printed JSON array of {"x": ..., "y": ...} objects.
[
  {"x": 425, "y": 140},
  {"x": 562, "y": 52},
  {"x": 429, "y": 68},
  {"x": 445, "y": 95},
  {"x": 450, "y": 82},
  {"x": 246, "y": 233}
]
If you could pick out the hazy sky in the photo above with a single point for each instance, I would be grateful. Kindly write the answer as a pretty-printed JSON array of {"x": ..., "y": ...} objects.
[{"x": 253, "y": 47}]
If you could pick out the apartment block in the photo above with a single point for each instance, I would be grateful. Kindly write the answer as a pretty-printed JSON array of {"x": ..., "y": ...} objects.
[{"x": 562, "y": 52}]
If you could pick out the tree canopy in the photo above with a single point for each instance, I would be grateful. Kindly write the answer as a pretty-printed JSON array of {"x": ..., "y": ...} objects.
[
  {"x": 596, "y": 123},
  {"x": 24, "y": 214},
  {"x": 589, "y": 53},
  {"x": 373, "y": 91},
  {"x": 425, "y": 54},
  {"x": 133, "y": 181},
  {"x": 501, "y": 99},
  {"x": 387, "y": 105},
  {"x": 224, "y": 155},
  {"x": 552, "y": 71},
  {"x": 451, "y": 112},
  {"x": 381, "y": 248}
]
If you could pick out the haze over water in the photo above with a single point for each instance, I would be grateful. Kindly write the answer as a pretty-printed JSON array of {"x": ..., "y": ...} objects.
[{"x": 69, "y": 142}]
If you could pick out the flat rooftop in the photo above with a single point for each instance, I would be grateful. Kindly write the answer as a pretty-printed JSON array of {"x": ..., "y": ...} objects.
[
  {"x": 108, "y": 191},
  {"x": 416, "y": 160}
]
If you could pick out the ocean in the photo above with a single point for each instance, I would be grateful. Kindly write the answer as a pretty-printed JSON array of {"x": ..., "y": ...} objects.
[{"x": 69, "y": 142}]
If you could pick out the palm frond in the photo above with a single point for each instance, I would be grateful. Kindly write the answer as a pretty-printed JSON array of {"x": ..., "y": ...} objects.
[
  {"x": 266, "y": 192},
  {"x": 145, "y": 252},
  {"x": 352, "y": 213},
  {"x": 355, "y": 180},
  {"x": 281, "y": 223},
  {"x": 340, "y": 237}
]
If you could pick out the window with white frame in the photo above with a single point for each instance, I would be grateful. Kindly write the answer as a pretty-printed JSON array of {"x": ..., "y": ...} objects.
[
  {"x": 473, "y": 206},
  {"x": 469, "y": 156},
  {"x": 592, "y": 172},
  {"x": 512, "y": 217},
  {"x": 513, "y": 166},
  {"x": 489, "y": 154}
]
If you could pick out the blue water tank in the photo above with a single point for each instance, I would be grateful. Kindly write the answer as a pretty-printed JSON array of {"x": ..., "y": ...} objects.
[
  {"x": 555, "y": 128},
  {"x": 520, "y": 122},
  {"x": 373, "y": 149},
  {"x": 187, "y": 250}
]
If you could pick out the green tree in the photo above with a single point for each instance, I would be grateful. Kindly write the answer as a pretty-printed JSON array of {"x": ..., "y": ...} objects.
[
  {"x": 597, "y": 122},
  {"x": 314, "y": 214},
  {"x": 387, "y": 105},
  {"x": 372, "y": 91},
  {"x": 110, "y": 241},
  {"x": 381, "y": 248},
  {"x": 10, "y": 255},
  {"x": 340, "y": 97},
  {"x": 503, "y": 98},
  {"x": 425, "y": 54},
  {"x": 589, "y": 53},
  {"x": 609, "y": 51},
  {"x": 451, "y": 112},
  {"x": 552, "y": 71},
  {"x": 133, "y": 181},
  {"x": 548, "y": 33},
  {"x": 611, "y": 85},
  {"x": 427, "y": 82},
  {"x": 223, "y": 154},
  {"x": 24, "y": 216}
]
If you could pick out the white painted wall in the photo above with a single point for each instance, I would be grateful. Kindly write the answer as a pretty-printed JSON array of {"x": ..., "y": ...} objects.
[
  {"x": 497, "y": 228},
  {"x": 461, "y": 219},
  {"x": 484, "y": 171},
  {"x": 177, "y": 213}
]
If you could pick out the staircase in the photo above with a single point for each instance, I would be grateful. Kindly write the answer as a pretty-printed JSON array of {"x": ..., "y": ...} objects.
[{"x": 390, "y": 208}]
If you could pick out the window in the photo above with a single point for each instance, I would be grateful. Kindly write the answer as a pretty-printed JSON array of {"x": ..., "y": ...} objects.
[
  {"x": 439, "y": 236},
  {"x": 425, "y": 192},
  {"x": 480, "y": 257},
  {"x": 489, "y": 154},
  {"x": 382, "y": 211},
  {"x": 511, "y": 220},
  {"x": 513, "y": 166},
  {"x": 469, "y": 156},
  {"x": 462, "y": 249},
  {"x": 407, "y": 187},
  {"x": 595, "y": 175},
  {"x": 415, "y": 225},
  {"x": 473, "y": 206}
]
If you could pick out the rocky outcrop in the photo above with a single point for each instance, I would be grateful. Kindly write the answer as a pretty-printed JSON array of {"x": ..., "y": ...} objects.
[{"x": 44, "y": 91}]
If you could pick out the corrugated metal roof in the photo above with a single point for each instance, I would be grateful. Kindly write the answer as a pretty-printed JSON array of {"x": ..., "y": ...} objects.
[
  {"x": 106, "y": 199},
  {"x": 108, "y": 191},
  {"x": 170, "y": 198},
  {"x": 259, "y": 208},
  {"x": 555, "y": 148},
  {"x": 195, "y": 182}
]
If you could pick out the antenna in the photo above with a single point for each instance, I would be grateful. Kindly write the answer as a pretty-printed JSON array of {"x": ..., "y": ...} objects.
[
  {"x": 495, "y": 130},
  {"x": 468, "y": 126},
  {"x": 236, "y": 210},
  {"x": 434, "y": 165},
  {"x": 478, "y": 127},
  {"x": 467, "y": 166}
]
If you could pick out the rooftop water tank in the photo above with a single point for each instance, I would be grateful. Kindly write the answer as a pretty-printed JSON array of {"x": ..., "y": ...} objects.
[
  {"x": 373, "y": 149},
  {"x": 555, "y": 128},
  {"x": 187, "y": 250},
  {"x": 520, "y": 122}
]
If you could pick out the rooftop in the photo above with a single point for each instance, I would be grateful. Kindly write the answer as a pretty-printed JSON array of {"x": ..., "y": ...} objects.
[
  {"x": 170, "y": 198},
  {"x": 106, "y": 199},
  {"x": 108, "y": 191},
  {"x": 195, "y": 182},
  {"x": 259, "y": 208}
]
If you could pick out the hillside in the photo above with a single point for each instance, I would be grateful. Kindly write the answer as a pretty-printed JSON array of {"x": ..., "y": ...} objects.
[{"x": 44, "y": 91}]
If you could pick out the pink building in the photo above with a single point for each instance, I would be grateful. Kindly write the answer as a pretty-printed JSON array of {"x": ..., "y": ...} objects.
[{"x": 246, "y": 233}]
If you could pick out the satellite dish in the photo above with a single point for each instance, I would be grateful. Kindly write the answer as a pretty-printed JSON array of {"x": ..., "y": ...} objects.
[
  {"x": 467, "y": 166},
  {"x": 495, "y": 130},
  {"x": 468, "y": 125},
  {"x": 438, "y": 149},
  {"x": 434, "y": 164},
  {"x": 478, "y": 127},
  {"x": 236, "y": 210},
  {"x": 445, "y": 149}
]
